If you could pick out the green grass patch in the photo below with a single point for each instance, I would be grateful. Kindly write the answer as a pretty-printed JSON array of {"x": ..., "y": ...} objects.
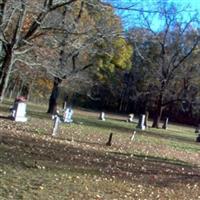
[{"x": 77, "y": 164}]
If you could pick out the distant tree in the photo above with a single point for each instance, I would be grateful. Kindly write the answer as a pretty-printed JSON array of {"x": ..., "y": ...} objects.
[
  {"x": 56, "y": 36},
  {"x": 97, "y": 30},
  {"x": 164, "y": 52},
  {"x": 21, "y": 23}
]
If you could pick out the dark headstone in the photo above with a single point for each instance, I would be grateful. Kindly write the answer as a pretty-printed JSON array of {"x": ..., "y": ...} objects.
[
  {"x": 197, "y": 130},
  {"x": 109, "y": 143},
  {"x": 198, "y": 138}
]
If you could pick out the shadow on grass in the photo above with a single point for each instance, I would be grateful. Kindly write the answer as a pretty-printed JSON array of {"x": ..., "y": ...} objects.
[
  {"x": 30, "y": 152},
  {"x": 4, "y": 108},
  {"x": 109, "y": 124},
  {"x": 6, "y": 117},
  {"x": 172, "y": 137},
  {"x": 38, "y": 114},
  {"x": 154, "y": 159}
]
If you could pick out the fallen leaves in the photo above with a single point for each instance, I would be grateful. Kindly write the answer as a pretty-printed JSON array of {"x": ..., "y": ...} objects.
[{"x": 126, "y": 170}]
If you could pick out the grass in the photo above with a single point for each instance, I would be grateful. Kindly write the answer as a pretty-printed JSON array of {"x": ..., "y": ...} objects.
[{"x": 158, "y": 164}]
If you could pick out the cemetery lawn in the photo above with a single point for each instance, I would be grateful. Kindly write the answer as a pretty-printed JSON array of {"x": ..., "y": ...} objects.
[{"x": 157, "y": 164}]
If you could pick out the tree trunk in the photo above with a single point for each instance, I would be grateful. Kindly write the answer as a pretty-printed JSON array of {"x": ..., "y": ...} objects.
[
  {"x": 123, "y": 101},
  {"x": 30, "y": 87},
  {"x": 21, "y": 88},
  {"x": 54, "y": 96},
  {"x": 158, "y": 113},
  {"x": 146, "y": 119},
  {"x": 5, "y": 73}
]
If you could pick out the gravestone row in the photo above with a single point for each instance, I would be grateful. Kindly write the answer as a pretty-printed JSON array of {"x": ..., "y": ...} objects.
[
  {"x": 142, "y": 122},
  {"x": 18, "y": 114}
]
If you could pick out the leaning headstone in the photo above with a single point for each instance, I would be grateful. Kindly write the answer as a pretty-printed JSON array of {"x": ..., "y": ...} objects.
[
  {"x": 130, "y": 117},
  {"x": 141, "y": 122},
  {"x": 109, "y": 143},
  {"x": 198, "y": 138},
  {"x": 65, "y": 102},
  {"x": 68, "y": 115},
  {"x": 165, "y": 123},
  {"x": 133, "y": 136},
  {"x": 102, "y": 116},
  {"x": 64, "y": 105},
  {"x": 197, "y": 130},
  {"x": 57, "y": 121},
  {"x": 19, "y": 112}
]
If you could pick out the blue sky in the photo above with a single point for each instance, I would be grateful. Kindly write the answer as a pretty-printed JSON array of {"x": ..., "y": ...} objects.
[
  {"x": 129, "y": 16},
  {"x": 195, "y": 4}
]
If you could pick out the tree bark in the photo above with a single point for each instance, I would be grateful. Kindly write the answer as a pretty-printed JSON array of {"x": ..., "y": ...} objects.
[
  {"x": 30, "y": 87},
  {"x": 158, "y": 113},
  {"x": 146, "y": 119},
  {"x": 5, "y": 73},
  {"x": 54, "y": 96}
]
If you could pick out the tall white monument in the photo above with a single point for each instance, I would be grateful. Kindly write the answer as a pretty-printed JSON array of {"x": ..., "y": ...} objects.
[{"x": 19, "y": 112}]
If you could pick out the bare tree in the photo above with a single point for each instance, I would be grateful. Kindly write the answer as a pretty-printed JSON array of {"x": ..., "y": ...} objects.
[
  {"x": 165, "y": 50},
  {"x": 21, "y": 23},
  {"x": 57, "y": 36}
]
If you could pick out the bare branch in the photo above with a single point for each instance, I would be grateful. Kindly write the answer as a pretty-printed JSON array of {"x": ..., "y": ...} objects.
[{"x": 58, "y": 5}]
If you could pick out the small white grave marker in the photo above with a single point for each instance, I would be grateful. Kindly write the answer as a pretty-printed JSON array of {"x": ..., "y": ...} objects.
[
  {"x": 102, "y": 116},
  {"x": 130, "y": 117},
  {"x": 133, "y": 136},
  {"x": 19, "y": 112},
  {"x": 141, "y": 122},
  {"x": 57, "y": 121},
  {"x": 68, "y": 115}
]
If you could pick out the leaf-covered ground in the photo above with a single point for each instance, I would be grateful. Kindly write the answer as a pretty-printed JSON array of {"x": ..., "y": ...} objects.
[{"x": 158, "y": 164}]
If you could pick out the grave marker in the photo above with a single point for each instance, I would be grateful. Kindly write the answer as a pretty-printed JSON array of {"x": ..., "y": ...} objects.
[
  {"x": 197, "y": 130},
  {"x": 198, "y": 138},
  {"x": 19, "y": 112},
  {"x": 133, "y": 136},
  {"x": 57, "y": 121},
  {"x": 141, "y": 122},
  {"x": 67, "y": 117},
  {"x": 102, "y": 116},
  {"x": 109, "y": 143},
  {"x": 130, "y": 117}
]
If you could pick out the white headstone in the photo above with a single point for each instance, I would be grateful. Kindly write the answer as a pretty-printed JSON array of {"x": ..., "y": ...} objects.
[
  {"x": 141, "y": 122},
  {"x": 19, "y": 113},
  {"x": 68, "y": 115},
  {"x": 57, "y": 121},
  {"x": 102, "y": 116},
  {"x": 130, "y": 117}
]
